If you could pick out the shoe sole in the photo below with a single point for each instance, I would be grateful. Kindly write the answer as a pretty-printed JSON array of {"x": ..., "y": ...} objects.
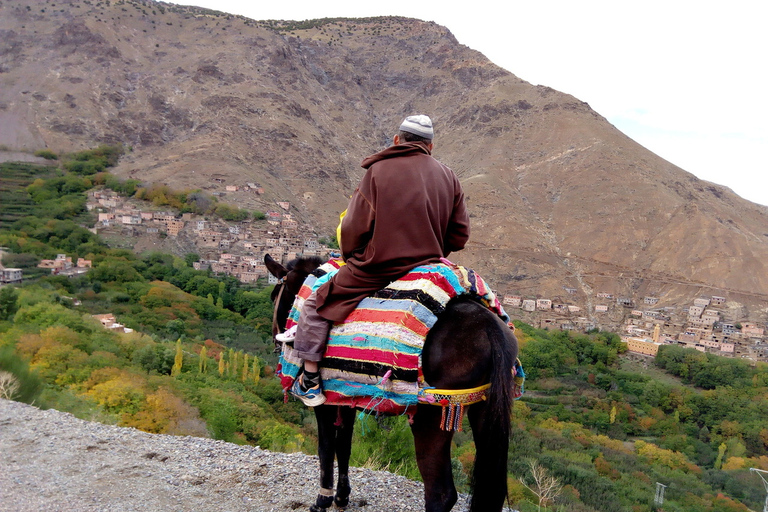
[{"x": 312, "y": 402}]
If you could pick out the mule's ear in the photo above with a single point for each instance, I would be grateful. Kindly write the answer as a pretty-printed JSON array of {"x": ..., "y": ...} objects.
[{"x": 274, "y": 268}]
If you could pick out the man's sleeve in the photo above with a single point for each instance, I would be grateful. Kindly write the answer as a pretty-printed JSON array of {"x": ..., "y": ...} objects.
[
  {"x": 357, "y": 225},
  {"x": 457, "y": 234}
]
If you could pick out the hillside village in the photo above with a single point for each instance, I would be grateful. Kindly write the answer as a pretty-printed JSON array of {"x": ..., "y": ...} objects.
[
  {"x": 704, "y": 325},
  {"x": 231, "y": 248},
  {"x": 238, "y": 248}
]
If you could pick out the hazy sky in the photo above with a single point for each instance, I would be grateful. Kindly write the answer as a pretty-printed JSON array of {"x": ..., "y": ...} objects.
[{"x": 686, "y": 79}]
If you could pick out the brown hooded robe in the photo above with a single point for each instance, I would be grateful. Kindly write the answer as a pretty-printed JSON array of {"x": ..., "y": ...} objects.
[{"x": 407, "y": 211}]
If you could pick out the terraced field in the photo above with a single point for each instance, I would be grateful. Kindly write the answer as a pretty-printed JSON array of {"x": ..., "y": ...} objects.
[{"x": 15, "y": 203}]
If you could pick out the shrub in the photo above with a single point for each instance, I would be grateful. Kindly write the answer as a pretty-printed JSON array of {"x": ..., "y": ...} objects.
[
  {"x": 9, "y": 385},
  {"x": 85, "y": 168},
  {"x": 28, "y": 384},
  {"x": 93, "y": 161},
  {"x": 47, "y": 154}
]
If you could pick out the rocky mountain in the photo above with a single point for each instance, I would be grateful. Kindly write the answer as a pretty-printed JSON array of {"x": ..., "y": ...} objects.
[{"x": 559, "y": 197}]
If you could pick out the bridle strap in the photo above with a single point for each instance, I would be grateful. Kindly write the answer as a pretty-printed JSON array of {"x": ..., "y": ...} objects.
[{"x": 275, "y": 325}]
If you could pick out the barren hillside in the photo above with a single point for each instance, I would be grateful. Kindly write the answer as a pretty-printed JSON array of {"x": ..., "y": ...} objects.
[{"x": 558, "y": 196}]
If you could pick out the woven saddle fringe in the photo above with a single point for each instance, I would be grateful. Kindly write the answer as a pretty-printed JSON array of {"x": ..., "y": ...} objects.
[
  {"x": 452, "y": 417},
  {"x": 453, "y": 402}
]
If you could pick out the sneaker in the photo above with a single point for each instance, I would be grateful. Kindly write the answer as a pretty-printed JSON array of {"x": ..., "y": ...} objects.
[
  {"x": 311, "y": 397},
  {"x": 288, "y": 335}
]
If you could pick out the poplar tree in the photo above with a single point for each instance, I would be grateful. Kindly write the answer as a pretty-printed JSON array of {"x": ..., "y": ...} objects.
[
  {"x": 256, "y": 370},
  {"x": 245, "y": 367},
  {"x": 222, "y": 365},
  {"x": 177, "y": 361},
  {"x": 720, "y": 453},
  {"x": 203, "y": 359}
]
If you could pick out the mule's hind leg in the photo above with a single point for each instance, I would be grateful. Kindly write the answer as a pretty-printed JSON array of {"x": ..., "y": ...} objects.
[
  {"x": 433, "y": 455},
  {"x": 490, "y": 475}
]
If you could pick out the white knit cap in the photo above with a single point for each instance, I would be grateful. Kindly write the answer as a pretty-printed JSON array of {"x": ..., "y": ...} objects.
[{"x": 420, "y": 125}]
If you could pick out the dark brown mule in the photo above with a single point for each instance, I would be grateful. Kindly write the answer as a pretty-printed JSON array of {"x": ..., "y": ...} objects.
[{"x": 469, "y": 346}]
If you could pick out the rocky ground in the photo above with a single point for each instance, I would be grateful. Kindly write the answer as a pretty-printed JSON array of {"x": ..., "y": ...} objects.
[{"x": 52, "y": 461}]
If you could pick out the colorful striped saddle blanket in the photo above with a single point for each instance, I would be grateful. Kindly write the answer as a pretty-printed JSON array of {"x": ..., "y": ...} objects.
[{"x": 373, "y": 358}]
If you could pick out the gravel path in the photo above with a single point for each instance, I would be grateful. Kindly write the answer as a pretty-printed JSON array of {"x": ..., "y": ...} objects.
[{"x": 51, "y": 461}]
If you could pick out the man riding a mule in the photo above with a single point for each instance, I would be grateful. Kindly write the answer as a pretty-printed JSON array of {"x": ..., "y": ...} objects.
[{"x": 407, "y": 211}]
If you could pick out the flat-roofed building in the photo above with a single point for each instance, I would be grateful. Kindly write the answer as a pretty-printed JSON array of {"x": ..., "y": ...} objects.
[
  {"x": 10, "y": 275},
  {"x": 174, "y": 227},
  {"x": 643, "y": 346},
  {"x": 750, "y": 329}
]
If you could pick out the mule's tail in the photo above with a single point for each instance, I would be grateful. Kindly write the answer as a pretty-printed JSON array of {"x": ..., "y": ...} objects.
[{"x": 492, "y": 426}]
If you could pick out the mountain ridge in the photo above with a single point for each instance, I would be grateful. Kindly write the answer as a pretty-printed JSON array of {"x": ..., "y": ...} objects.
[{"x": 295, "y": 106}]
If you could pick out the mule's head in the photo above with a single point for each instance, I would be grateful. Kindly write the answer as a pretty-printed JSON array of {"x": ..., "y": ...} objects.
[{"x": 290, "y": 278}]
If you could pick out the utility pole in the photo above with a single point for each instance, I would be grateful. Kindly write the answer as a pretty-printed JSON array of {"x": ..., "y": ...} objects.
[
  {"x": 659, "y": 499},
  {"x": 763, "y": 475}
]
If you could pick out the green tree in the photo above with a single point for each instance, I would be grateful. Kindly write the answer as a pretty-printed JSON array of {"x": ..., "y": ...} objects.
[
  {"x": 8, "y": 302},
  {"x": 231, "y": 213},
  {"x": 44, "y": 314},
  {"x": 175, "y": 327},
  {"x": 190, "y": 258}
]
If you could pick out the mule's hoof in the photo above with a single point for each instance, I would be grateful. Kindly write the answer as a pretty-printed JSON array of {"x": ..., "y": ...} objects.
[
  {"x": 341, "y": 502},
  {"x": 343, "y": 489},
  {"x": 321, "y": 504}
]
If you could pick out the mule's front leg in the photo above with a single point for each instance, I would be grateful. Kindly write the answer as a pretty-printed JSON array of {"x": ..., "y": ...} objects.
[
  {"x": 326, "y": 452},
  {"x": 345, "y": 425},
  {"x": 433, "y": 455}
]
